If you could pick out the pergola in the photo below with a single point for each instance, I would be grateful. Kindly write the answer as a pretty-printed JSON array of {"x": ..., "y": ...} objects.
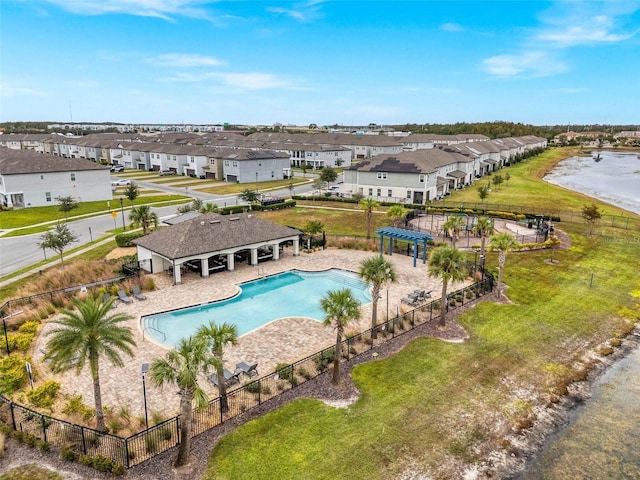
[{"x": 407, "y": 235}]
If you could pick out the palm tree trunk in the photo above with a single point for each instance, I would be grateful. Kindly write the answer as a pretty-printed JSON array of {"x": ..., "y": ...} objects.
[
  {"x": 443, "y": 303},
  {"x": 222, "y": 390},
  {"x": 369, "y": 214},
  {"x": 501, "y": 260},
  {"x": 186, "y": 402},
  {"x": 336, "y": 359},
  {"x": 97, "y": 396},
  {"x": 375, "y": 292}
]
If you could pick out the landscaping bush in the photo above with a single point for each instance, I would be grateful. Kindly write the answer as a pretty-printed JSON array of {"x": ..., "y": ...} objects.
[
  {"x": 29, "y": 327},
  {"x": 284, "y": 371},
  {"x": 20, "y": 341},
  {"x": 67, "y": 453},
  {"x": 324, "y": 359},
  {"x": 43, "y": 446},
  {"x": 102, "y": 463},
  {"x": 118, "y": 469},
  {"x": 123, "y": 240},
  {"x": 75, "y": 406},
  {"x": 13, "y": 374},
  {"x": 44, "y": 395}
]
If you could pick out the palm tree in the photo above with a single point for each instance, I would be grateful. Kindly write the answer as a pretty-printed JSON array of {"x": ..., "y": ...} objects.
[
  {"x": 376, "y": 271},
  {"x": 483, "y": 227},
  {"x": 218, "y": 337},
  {"x": 368, "y": 205},
  {"x": 142, "y": 216},
  {"x": 396, "y": 214},
  {"x": 453, "y": 226},
  {"x": 448, "y": 264},
  {"x": 340, "y": 308},
  {"x": 503, "y": 242},
  {"x": 181, "y": 367},
  {"x": 208, "y": 208},
  {"x": 86, "y": 334}
]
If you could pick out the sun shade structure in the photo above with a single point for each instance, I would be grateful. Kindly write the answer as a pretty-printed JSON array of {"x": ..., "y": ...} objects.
[
  {"x": 212, "y": 243},
  {"x": 406, "y": 235}
]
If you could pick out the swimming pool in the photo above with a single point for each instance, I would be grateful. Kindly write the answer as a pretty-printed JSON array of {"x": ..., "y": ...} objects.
[{"x": 290, "y": 294}]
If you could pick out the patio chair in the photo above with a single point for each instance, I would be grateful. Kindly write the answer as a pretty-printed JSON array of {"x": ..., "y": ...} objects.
[
  {"x": 248, "y": 370},
  {"x": 411, "y": 301},
  {"x": 124, "y": 297},
  {"x": 230, "y": 378},
  {"x": 137, "y": 293},
  {"x": 106, "y": 297}
]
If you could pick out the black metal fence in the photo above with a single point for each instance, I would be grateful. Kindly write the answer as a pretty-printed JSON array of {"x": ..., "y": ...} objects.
[{"x": 159, "y": 438}]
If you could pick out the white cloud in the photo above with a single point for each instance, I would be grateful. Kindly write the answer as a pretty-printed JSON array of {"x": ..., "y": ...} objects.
[
  {"x": 527, "y": 64},
  {"x": 303, "y": 12},
  {"x": 185, "y": 60},
  {"x": 452, "y": 27},
  {"x": 243, "y": 81},
  {"x": 9, "y": 90},
  {"x": 165, "y": 9},
  {"x": 568, "y": 24}
]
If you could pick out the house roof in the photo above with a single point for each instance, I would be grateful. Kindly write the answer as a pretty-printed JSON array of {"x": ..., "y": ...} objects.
[
  {"x": 210, "y": 233},
  {"x": 419, "y": 161},
  {"x": 16, "y": 162}
]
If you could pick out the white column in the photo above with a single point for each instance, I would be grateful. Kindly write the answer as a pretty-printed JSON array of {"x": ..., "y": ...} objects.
[
  {"x": 230, "y": 262},
  {"x": 176, "y": 275},
  {"x": 254, "y": 256},
  {"x": 204, "y": 267},
  {"x": 276, "y": 251},
  {"x": 296, "y": 246}
]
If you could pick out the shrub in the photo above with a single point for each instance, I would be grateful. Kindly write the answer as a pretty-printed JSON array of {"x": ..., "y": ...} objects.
[
  {"x": 20, "y": 341},
  {"x": 615, "y": 342},
  {"x": 165, "y": 433},
  {"x": 43, "y": 446},
  {"x": 114, "y": 426},
  {"x": 29, "y": 439},
  {"x": 324, "y": 359},
  {"x": 253, "y": 387},
  {"x": 151, "y": 443},
  {"x": 13, "y": 374},
  {"x": 75, "y": 406},
  {"x": 284, "y": 371},
  {"x": 29, "y": 327},
  {"x": 67, "y": 453},
  {"x": 118, "y": 469},
  {"x": 304, "y": 373},
  {"x": 148, "y": 283},
  {"x": 85, "y": 460},
  {"x": 44, "y": 395},
  {"x": 102, "y": 463},
  {"x": 123, "y": 240}
]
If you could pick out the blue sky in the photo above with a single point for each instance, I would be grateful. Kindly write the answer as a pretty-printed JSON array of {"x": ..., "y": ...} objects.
[{"x": 324, "y": 62}]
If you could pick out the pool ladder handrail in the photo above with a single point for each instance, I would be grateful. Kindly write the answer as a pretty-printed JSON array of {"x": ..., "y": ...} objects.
[{"x": 148, "y": 327}]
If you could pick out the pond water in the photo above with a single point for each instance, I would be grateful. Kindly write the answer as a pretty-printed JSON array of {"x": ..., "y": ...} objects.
[
  {"x": 600, "y": 440},
  {"x": 613, "y": 177}
]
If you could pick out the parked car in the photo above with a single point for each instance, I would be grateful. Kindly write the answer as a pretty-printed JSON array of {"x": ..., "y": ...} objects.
[
  {"x": 122, "y": 182},
  {"x": 167, "y": 172},
  {"x": 117, "y": 168}
]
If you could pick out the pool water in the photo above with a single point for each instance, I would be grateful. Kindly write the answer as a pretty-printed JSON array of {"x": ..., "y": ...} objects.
[{"x": 290, "y": 294}]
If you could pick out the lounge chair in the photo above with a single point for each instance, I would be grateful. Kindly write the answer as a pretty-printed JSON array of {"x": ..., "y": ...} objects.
[
  {"x": 229, "y": 377},
  {"x": 137, "y": 293},
  {"x": 124, "y": 297},
  {"x": 248, "y": 370},
  {"x": 411, "y": 301},
  {"x": 106, "y": 297}
]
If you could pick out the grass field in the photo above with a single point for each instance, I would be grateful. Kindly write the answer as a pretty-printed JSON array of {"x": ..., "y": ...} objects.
[{"x": 435, "y": 408}]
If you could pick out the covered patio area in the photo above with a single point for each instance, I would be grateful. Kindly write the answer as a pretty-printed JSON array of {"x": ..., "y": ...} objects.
[{"x": 417, "y": 238}]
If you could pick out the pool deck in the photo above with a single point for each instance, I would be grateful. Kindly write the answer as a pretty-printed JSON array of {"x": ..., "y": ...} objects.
[{"x": 284, "y": 340}]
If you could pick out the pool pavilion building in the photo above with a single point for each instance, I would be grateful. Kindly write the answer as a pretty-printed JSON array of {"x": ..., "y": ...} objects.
[{"x": 210, "y": 243}]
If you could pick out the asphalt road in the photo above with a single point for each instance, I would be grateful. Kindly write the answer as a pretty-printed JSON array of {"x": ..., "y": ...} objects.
[{"x": 17, "y": 253}]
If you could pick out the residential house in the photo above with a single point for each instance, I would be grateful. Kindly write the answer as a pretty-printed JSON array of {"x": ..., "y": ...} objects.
[{"x": 31, "y": 179}]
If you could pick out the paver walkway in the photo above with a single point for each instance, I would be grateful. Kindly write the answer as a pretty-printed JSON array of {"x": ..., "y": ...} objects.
[{"x": 284, "y": 340}]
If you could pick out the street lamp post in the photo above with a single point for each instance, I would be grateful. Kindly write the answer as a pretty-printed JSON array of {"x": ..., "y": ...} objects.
[
  {"x": 144, "y": 369},
  {"x": 256, "y": 182},
  {"x": 124, "y": 227}
]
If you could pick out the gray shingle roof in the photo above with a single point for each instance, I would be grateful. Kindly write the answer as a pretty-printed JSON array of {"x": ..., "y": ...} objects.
[
  {"x": 212, "y": 233},
  {"x": 14, "y": 162}
]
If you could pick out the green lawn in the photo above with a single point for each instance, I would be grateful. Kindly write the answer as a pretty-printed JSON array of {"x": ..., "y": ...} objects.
[
  {"x": 27, "y": 217},
  {"x": 233, "y": 188},
  {"x": 435, "y": 406}
]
